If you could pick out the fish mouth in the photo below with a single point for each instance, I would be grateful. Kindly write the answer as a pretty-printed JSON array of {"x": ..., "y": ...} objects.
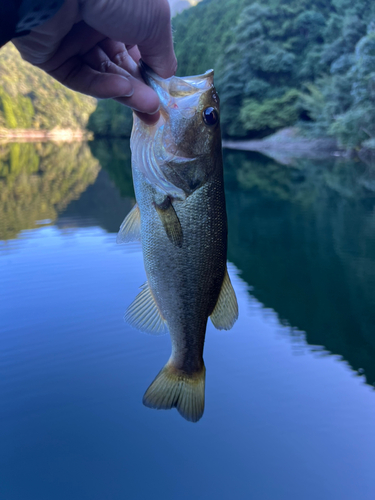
[
  {"x": 199, "y": 82},
  {"x": 176, "y": 93}
]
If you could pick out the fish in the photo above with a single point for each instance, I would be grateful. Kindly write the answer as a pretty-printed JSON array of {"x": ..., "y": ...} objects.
[{"x": 180, "y": 219}]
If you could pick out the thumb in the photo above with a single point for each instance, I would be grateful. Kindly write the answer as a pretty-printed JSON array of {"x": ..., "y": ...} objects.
[{"x": 157, "y": 49}]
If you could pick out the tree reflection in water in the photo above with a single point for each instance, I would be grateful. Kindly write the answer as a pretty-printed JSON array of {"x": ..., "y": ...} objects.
[
  {"x": 302, "y": 234},
  {"x": 304, "y": 239},
  {"x": 39, "y": 180}
]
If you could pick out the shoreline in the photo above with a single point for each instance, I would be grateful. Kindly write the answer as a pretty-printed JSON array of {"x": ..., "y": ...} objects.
[
  {"x": 287, "y": 145},
  {"x": 33, "y": 135}
]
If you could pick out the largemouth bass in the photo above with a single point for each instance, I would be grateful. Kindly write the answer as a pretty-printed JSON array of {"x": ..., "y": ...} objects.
[{"x": 180, "y": 218}]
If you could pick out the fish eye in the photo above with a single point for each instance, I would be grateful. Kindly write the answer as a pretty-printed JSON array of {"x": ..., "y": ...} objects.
[{"x": 210, "y": 116}]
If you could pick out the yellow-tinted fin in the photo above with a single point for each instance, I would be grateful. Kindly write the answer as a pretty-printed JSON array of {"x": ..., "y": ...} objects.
[
  {"x": 130, "y": 229},
  {"x": 144, "y": 314},
  {"x": 170, "y": 221},
  {"x": 174, "y": 388},
  {"x": 225, "y": 313}
]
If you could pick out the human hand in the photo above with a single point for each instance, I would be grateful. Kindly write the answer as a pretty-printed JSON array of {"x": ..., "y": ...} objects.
[{"x": 93, "y": 47}]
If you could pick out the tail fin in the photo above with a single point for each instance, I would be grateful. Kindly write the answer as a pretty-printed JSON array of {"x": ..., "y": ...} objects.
[{"x": 173, "y": 388}]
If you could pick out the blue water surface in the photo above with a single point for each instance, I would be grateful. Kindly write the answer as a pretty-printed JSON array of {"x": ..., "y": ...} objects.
[{"x": 284, "y": 418}]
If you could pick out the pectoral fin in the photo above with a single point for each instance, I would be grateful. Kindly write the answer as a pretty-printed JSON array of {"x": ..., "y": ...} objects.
[
  {"x": 144, "y": 313},
  {"x": 170, "y": 221},
  {"x": 225, "y": 313},
  {"x": 130, "y": 229}
]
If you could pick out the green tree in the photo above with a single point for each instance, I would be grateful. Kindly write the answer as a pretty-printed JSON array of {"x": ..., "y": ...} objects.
[
  {"x": 29, "y": 98},
  {"x": 270, "y": 114},
  {"x": 277, "y": 63},
  {"x": 357, "y": 123},
  {"x": 111, "y": 119}
]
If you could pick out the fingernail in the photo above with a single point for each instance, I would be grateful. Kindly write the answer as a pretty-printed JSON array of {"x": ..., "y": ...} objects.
[
  {"x": 129, "y": 94},
  {"x": 154, "y": 112},
  {"x": 124, "y": 87}
]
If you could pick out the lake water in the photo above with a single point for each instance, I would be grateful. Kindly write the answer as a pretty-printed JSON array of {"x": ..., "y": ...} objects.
[{"x": 290, "y": 400}]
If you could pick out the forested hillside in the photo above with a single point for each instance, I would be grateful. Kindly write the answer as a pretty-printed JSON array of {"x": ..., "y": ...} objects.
[
  {"x": 278, "y": 63},
  {"x": 29, "y": 98},
  {"x": 281, "y": 61}
]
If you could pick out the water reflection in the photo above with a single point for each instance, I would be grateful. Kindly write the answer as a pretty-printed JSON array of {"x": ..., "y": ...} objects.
[
  {"x": 114, "y": 157},
  {"x": 304, "y": 239},
  {"x": 302, "y": 235},
  {"x": 39, "y": 180},
  {"x": 74, "y": 373}
]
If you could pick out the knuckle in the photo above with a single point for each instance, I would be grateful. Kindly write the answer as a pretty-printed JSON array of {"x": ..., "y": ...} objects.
[
  {"x": 105, "y": 66},
  {"x": 120, "y": 58}
]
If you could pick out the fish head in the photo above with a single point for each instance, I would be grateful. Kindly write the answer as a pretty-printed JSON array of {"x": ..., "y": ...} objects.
[{"x": 185, "y": 144}]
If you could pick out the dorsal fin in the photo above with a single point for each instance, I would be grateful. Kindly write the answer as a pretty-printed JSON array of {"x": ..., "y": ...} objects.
[
  {"x": 143, "y": 313},
  {"x": 170, "y": 221},
  {"x": 225, "y": 313},
  {"x": 130, "y": 229}
]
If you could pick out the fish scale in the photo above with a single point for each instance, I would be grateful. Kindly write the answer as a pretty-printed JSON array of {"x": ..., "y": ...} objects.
[
  {"x": 190, "y": 278},
  {"x": 181, "y": 220}
]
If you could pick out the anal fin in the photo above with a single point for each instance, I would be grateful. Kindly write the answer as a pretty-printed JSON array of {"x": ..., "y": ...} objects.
[
  {"x": 170, "y": 221},
  {"x": 225, "y": 313},
  {"x": 143, "y": 313},
  {"x": 130, "y": 229}
]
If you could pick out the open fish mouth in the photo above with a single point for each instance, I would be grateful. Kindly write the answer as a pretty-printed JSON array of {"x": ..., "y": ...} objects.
[{"x": 178, "y": 95}]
